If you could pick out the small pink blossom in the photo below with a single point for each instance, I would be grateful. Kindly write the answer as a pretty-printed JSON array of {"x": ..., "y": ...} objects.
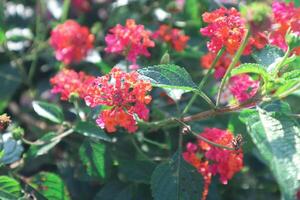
[{"x": 243, "y": 87}]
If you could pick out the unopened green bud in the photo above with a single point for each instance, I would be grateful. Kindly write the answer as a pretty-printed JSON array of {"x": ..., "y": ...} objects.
[{"x": 18, "y": 133}]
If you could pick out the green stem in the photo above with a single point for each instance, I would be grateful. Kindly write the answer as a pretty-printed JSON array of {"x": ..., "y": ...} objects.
[
  {"x": 281, "y": 63},
  {"x": 40, "y": 35},
  {"x": 160, "y": 145},
  {"x": 233, "y": 63},
  {"x": 205, "y": 97},
  {"x": 136, "y": 146},
  {"x": 76, "y": 106},
  {"x": 66, "y": 7},
  {"x": 203, "y": 81}
]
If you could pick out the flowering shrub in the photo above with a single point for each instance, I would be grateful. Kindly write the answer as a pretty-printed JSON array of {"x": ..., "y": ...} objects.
[{"x": 113, "y": 100}]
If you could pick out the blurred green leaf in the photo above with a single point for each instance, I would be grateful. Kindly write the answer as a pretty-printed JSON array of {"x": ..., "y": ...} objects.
[
  {"x": 277, "y": 137},
  {"x": 50, "y": 186},
  {"x": 251, "y": 68},
  {"x": 293, "y": 40},
  {"x": 91, "y": 130},
  {"x": 294, "y": 74},
  {"x": 115, "y": 190},
  {"x": 9, "y": 188},
  {"x": 95, "y": 158},
  {"x": 49, "y": 111},
  {"x": 37, "y": 150},
  {"x": 136, "y": 170},
  {"x": 168, "y": 76},
  {"x": 10, "y": 83},
  {"x": 268, "y": 56},
  {"x": 176, "y": 180},
  {"x": 2, "y": 36}
]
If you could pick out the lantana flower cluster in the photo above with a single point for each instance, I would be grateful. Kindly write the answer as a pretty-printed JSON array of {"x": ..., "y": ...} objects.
[
  {"x": 285, "y": 16},
  {"x": 71, "y": 41},
  {"x": 130, "y": 40},
  {"x": 172, "y": 36},
  {"x": 225, "y": 28},
  {"x": 68, "y": 82},
  {"x": 126, "y": 96},
  {"x": 210, "y": 160}
]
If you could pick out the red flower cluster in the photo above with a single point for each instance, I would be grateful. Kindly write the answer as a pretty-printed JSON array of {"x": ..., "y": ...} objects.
[
  {"x": 172, "y": 36},
  {"x": 285, "y": 16},
  {"x": 81, "y": 5},
  {"x": 225, "y": 28},
  {"x": 71, "y": 41},
  {"x": 130, "y": 40},
  {"x": 127, "y": 96},
  {"x": 221, "y": 66},
  {"x": 243, "y": 87},
  {"x": 214, "y": 160},
  {"x": 68, "y": 81}
]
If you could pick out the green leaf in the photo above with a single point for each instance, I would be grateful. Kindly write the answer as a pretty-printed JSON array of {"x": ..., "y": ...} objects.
[
  {"x": 9, "y": 188},
  {"x": 251, "y": 68},
  {"x": 49, "y": 111},
  {"x": 277, "y": 137},
  {"x": 91, "y": 130},
  {"x": 136, "y": 170},
  {"x": 115, "y": 190},
  {"x": 9, "y": 84},
  {"x": 268, "y": 56},
  {"x": 37, "y": 150},
  {"x": 294, "y": 74},
  {"x": 168, "y": 76},
  {"x": 176, "y": 180},
  {"x": 2, "y": 36},
  {"x": 50, "y": 186},
  {"x": 287, "y": 81},
  {"x": 95, "y": 158},
  {"x": 293, "y": 40}
]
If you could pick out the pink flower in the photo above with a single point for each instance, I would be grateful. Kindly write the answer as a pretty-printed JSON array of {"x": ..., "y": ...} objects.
[
  {"x": 127, "y": 96},
  {"x": 71, "y": 41},
  {"x": 130, "y": 40},
  {"x": 68, "y": 81},
  {"x": 286, "y": 16},
  {"x": 243, "y": 87}
]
